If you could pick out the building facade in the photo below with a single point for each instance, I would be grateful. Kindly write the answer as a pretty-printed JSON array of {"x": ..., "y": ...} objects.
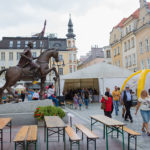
[
  {"x": 95, "y": 56},
  {"x": 133, "y": 39},
  {"x": 11, "y": 47},
  {"x": 107, "y": 54}
]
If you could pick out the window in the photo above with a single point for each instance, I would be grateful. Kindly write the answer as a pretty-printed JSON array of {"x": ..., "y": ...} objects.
[
  {"x": 10, "y": 44},
  {"x": 70, "y": 69},
  {"x": 60, "y": 57},
  {"x": 69, "y": 44},
  {"x": 108, "y": 54},
  {"x": 18, "y": 55},
  {"x": 74, "y": 68},
  {"x": 128, "y": 44},
  {"x": 33, "y": 54},
  {"x": 126, "y": 30},
  {"x": 10, "y": 55},
  {"x": 2, "y": 67},
  {"x": 126, "y": 61},
  {"x": 125, "y": 46},
  {"x": 74, "y": 57},
  {"x": 114, "y": 37},
  {"x": 18, "y": 44},
  {"x": 26, "y": 43},
  {"x": 60, "y": 71},
  {"x": 142, "y": 64},
  {"x": 34, "y": 44},
  {"x": 70, "y": 57},
  {"x": 130, "y": 60},
  {"x": 118, "y": 50},
  {"x": 148, "y": 63},
  {"x": 134, "y": 59},
  {"x": 132, "y": 43},
  {"x": 41, "y": 43},
  {"x": 3, "y": 56},
  {"x": 141, "y": 47},
  {"x": 129, "y": 28},
  {"x": 147, "y": 45},
  {"x": 115, "y": 52}
]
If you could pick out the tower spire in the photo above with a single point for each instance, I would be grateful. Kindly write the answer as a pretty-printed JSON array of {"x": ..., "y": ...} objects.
[{"x": 70, "y": 33}]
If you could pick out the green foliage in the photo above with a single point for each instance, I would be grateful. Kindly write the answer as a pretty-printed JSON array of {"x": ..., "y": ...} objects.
[{"x": 42, "y": 111}]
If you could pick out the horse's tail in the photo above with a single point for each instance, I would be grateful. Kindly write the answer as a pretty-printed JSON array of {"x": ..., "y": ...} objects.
[{"x": 2, "y": 71}]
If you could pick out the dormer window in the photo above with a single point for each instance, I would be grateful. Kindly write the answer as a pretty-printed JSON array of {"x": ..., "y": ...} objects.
[{"x": 10, "y": 44}]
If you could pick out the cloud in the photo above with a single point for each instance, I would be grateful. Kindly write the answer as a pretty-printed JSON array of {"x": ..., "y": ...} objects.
[{"x": 93, "y": 19}]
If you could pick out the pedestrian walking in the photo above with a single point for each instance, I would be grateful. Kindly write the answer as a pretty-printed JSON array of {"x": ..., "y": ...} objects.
[
  {"x": 75, "y": 99},
  {"x": 127, "y": 100},
  {"x": 116, "y": 97},
  {"x": 144, "y": 105},
  {"x": 80, "y": 102},
  {"x": 22, "y": 96},
  {"x": 108, "y": 104},
  {"x": 86, "y": 98}
]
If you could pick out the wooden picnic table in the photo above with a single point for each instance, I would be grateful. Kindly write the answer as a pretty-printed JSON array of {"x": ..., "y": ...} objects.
[
  {"x": 54, "y": 125},
  {"x": 4, "y": 122},
  {"x": 108, "y": 123}
]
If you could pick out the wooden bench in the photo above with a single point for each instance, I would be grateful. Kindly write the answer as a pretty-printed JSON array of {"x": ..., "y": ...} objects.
[
  {"x": 26, "y": 134},
  {"x": 73, "y": 137},
  {"x": 131, "y": 134},
  {"x": 4, "y": 122},
  {"x": 32, "y": 135},
  {"x": 89, "y": 134},
  {"x": 70, "y": 104}
]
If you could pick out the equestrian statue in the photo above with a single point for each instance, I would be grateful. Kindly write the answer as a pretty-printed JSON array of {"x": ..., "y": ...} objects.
[{"x": 30, "y": 69}]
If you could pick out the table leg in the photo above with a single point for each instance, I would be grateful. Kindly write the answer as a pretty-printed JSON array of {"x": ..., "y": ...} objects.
[
  {"x": 106, "y": 138},
  {"x": 103, "y": 131},
  {"x": 64, "y": 138},
  {"x": 44, "y": 131},
  {"x": 91, "y": 124},
  {"x": 10, "y": 131},
  {"x": 123, "y": 139},
  {"x": 47, "y": 139},
  {"x": 1, "y": 139},
  {"x": 58, "y": 134}
]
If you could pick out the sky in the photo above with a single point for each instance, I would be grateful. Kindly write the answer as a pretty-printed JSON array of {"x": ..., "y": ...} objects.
[{"x": 93, "y": 20}]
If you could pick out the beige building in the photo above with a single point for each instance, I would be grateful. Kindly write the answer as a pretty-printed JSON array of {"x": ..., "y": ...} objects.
[
  {"x": 95, "y": 56},
  {"x": 132, "y": 35}
]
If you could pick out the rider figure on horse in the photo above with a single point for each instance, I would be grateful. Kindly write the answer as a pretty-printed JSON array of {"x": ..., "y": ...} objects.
[{"x": 27, "y": 59}]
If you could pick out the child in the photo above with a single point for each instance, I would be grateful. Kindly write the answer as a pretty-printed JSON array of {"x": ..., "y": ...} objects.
[
  {"x": 80, "y": 102},
  {"x": 75, "y": 98}
]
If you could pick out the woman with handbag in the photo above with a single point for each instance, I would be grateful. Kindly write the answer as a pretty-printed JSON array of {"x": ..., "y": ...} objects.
[{"x": 107, "y": 104}]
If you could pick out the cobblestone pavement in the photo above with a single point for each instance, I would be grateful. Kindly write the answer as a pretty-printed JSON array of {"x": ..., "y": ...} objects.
[{"x": 82, "y": 116}]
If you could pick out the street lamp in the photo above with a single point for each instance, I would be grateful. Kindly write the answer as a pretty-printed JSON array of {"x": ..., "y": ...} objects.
[{"x": 59, "y": 64}]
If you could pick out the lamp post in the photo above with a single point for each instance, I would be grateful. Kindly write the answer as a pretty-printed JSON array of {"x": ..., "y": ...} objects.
[{"x": 59, "y": 64}]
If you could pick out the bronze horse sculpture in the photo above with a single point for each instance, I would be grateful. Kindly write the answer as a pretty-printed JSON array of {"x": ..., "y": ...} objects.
[{"x": 16, "y": 73}]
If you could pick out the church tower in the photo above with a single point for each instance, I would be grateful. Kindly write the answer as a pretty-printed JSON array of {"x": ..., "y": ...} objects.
[{"x": 70, "y": 35}]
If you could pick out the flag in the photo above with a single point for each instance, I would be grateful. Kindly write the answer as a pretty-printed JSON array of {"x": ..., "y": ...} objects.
[{"x": 41, "y": 34}]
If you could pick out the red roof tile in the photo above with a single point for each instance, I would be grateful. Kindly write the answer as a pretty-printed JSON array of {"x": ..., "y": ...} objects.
[{"x": 134, "y": 15}]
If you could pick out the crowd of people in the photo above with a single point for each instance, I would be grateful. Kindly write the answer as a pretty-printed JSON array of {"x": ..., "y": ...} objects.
[
  {"x": 112, "y": 101},
  {"x": 82, "y": 97}
]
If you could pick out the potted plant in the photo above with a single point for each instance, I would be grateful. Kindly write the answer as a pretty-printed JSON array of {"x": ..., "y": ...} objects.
[{"x": 42, "y": 111}]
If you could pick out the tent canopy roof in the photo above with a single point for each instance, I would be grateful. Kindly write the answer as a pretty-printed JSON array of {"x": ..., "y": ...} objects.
[{"x": 100, "y": 70}]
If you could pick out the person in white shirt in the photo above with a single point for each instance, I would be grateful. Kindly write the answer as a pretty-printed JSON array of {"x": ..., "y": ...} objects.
[
  {"x": 144, "y": 105},
  {"x": 50, "y": 94},
  {"x": 35, "y": 95}
]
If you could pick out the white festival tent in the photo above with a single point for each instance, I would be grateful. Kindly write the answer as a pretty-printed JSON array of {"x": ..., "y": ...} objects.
[{"x": 98, "y": 76}]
